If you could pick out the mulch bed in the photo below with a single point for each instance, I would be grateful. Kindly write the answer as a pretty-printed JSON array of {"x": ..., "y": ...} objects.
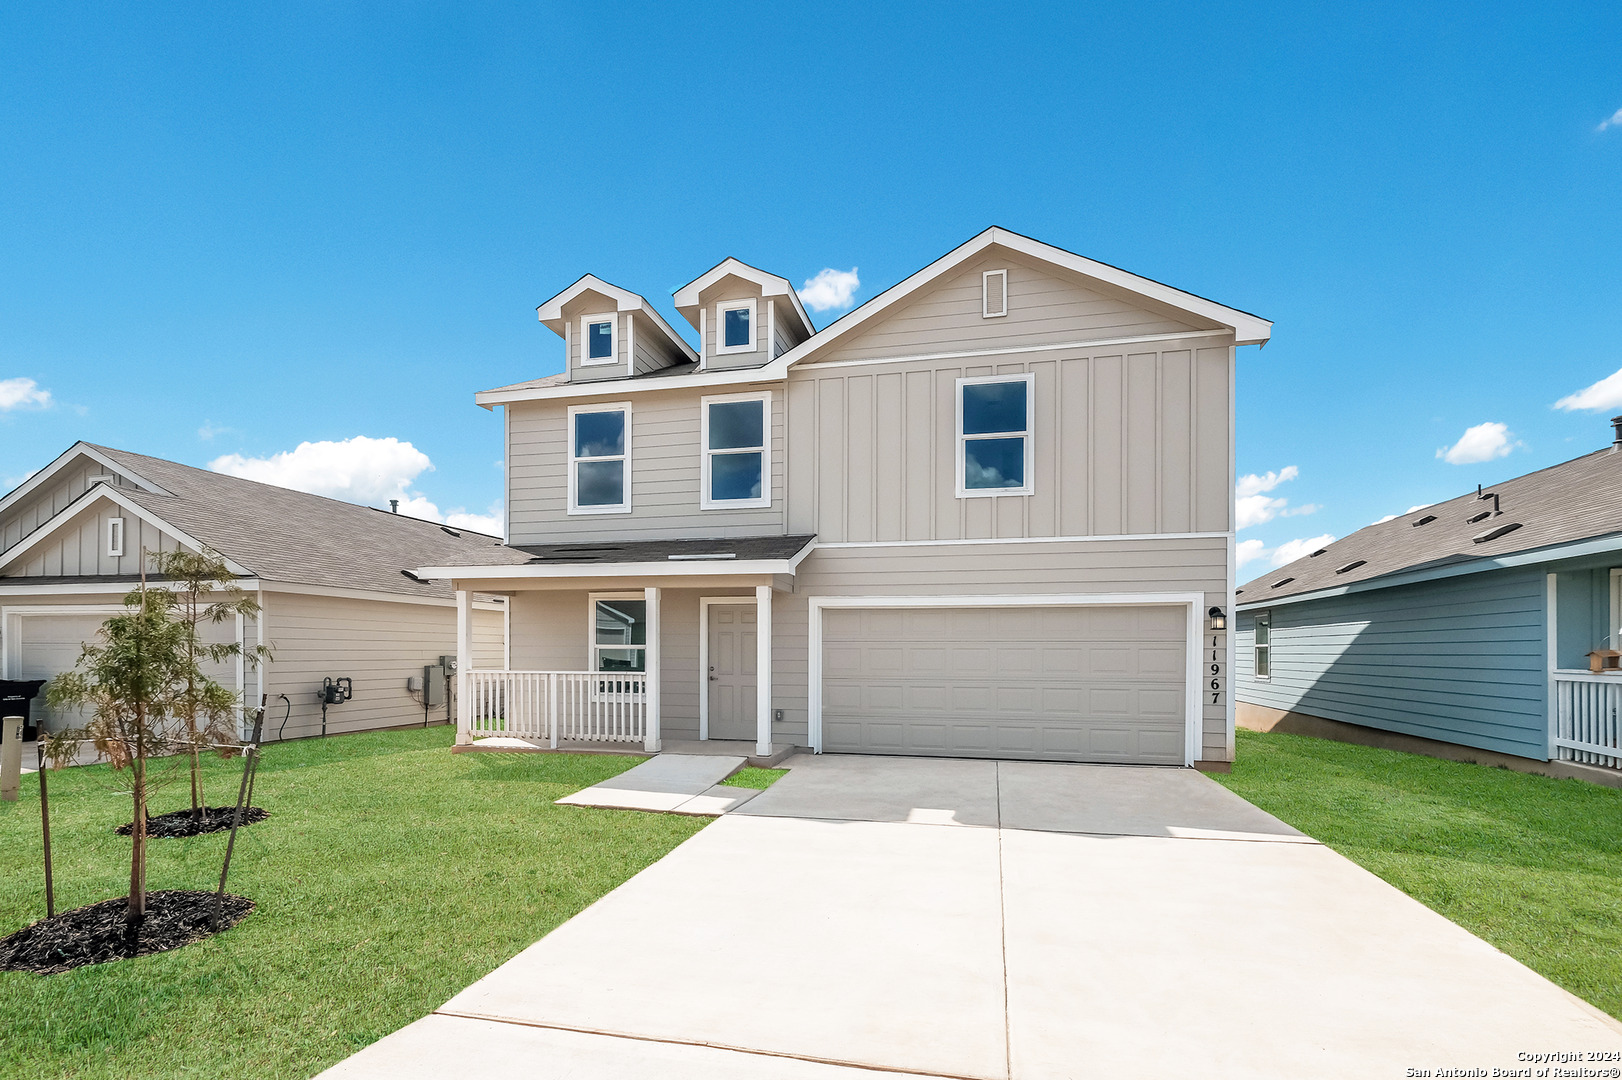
[
  {"x": 181, "y": 823},
  {"x": 100, "y": 932}
]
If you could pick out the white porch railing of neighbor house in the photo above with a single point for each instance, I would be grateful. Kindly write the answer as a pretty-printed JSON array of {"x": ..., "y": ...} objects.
[
  {"x": 558, "y": 706},
  {"x": 1586, "y": 724}
]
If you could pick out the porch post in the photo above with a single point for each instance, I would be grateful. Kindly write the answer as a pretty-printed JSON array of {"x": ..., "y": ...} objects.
[
  {"x": 464, "y": 664},
  {"x": 763, "y": 670},
  {"x": 653, "y": 657}
]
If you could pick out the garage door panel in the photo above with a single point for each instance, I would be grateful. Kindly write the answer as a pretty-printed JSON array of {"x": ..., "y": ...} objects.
[{"x": 1079, "y": 683}]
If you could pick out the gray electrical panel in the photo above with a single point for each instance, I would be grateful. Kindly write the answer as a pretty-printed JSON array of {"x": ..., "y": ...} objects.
[{"x": 433, "y": 685}]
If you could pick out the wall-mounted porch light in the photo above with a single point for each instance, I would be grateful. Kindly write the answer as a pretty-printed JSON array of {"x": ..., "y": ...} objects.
[{"x": 1219, "y": 621}]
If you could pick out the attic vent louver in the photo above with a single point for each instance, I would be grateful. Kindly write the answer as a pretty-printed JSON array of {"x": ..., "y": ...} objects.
[
  {"x": 994, "y": 294},
  {"x": 448, "y": 529},
  {"x": 1495, "y": 532},
  {"x": 1483, "y": 516},
  {"x": 1350, "y": 566},
  {"x": 1426, "y": 520},
  {"x": 1317, "y": 553},
  {"x": 1281, "y": 584}
]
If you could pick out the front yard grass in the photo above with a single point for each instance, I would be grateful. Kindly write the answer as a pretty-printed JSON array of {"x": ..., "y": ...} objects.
[
  {"x": 751, "y": 776},
  {"x": 1529, "y": 863},
  {"x": 389, "y": 875}
]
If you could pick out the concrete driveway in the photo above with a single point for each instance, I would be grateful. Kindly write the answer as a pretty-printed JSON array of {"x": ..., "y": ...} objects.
[{"x": 996, "y": 920}]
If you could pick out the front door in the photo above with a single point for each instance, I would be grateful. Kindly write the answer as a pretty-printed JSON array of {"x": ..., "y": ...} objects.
[{"x": 732, "y": 671}]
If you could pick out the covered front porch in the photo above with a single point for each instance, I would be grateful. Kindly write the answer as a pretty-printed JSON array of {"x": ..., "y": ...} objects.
[{"x": 610, "y": 650}]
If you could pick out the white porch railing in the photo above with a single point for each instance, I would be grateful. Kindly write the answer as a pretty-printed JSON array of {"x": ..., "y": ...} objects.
[
  {"x": 557, "y": 706},
  {"x": 1586, "y": 725}
]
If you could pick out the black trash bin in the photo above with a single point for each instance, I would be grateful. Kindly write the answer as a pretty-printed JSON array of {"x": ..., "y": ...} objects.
[{"x": 17, "y": 699}]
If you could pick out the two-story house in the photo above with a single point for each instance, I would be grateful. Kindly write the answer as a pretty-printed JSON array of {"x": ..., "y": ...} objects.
[{"x": 989, "y": 513}]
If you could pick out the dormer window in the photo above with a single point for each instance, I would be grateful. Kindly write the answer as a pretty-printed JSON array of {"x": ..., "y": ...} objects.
[
  {"x": 735, "y": 327},
  {"x": 599, "y": 340}
]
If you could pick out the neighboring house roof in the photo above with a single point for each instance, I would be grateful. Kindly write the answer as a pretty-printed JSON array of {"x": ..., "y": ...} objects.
[
  {"x": 551, "y": 312},
  {"x": 278, "y": 534},
  {"x": 687, "y": 297},
  {"x": 1576, "y": 500},
  {"x": 1248, "y": 329}
]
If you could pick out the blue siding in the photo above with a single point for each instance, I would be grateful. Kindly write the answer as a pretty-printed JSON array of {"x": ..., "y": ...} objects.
[
  {"x": 1460, "y": 660},
  {"x": 1583, "y": 611}
]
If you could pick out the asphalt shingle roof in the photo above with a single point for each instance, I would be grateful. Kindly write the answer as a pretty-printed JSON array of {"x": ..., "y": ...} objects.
[
  {"x": 1577, "y": 500},
  {"x": 290, "y": 536}
]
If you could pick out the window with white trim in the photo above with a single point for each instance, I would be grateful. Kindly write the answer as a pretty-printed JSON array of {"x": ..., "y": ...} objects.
[
  {"x": 619, "y": 632},
  {"x": 1264, "y": 645},
  {"x": 734, "y": 327},
  {"x": 600, "y": 459},
  {"x": 599, "y": 340},
  {"x": 994, "y": 447},
  {"x": 115, "y": 537},
  {"x": 737, "y": 460},
  {"x": 994, "y": 294}
]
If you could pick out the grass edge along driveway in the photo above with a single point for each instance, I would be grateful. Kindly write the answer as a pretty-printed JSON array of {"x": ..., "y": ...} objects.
[
  {"x": 1529, "y": 863},
  {"x": 390, "y": 875}
]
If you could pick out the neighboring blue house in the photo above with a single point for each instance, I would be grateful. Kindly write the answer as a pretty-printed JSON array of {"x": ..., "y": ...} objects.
[{"x": 1466, "y": 624}]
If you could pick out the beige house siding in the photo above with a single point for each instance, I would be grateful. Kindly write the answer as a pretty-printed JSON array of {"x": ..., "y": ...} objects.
[
  {"x": 1126, "y": 443},
  {"x": 594, "y": 303},
  {"x": 51, "y": 499},
  {"x": 1046, "y": 306},
  {"x": 80, "y": 547},
  {"x": 665, "y": 468},
  {"x": 735, "y": 288}
]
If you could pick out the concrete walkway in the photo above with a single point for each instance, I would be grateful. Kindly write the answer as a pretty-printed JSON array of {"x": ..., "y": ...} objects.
[
  {"x": 671, "y": 783},
  {"x": 992, "y": 921}
]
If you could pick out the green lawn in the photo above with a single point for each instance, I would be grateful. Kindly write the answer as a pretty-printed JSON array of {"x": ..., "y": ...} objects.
[
  {"x": 1531, "y": 864},
  {"x": 390, "y": 875},
  {"x": 751, "y": 777}
]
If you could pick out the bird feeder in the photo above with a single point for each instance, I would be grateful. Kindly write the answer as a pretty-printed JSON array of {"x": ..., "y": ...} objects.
[{"x": 1605, "y": 662}]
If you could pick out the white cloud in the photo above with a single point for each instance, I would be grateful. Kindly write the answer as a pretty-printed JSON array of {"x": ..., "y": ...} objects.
[
  {"x": 22, "y": 394},
  {"x": 1250, "y": 551},
  {"x": 1484, "y": 442},
  {"x": 210, "y": 429},
  {"x": 1602, "y": 396},
  {"x": 830, "y": 289},
  {"x": 359, "y": 470},
  {"x": 1614, "y": 120},
  {"x": 1254, "y": 506}
]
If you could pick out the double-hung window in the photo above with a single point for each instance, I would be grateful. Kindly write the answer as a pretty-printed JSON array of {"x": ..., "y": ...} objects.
[
  {"x": 737, "y": 456},
  {"x": 619, "y": 633},
  {"x": 1264, "y": 645},
  {"x": 994, "y": 446},
  {"x": 600, "y": 459},
  {"x": 735, "y": 327},
  {"x": 599, "y": 340}
]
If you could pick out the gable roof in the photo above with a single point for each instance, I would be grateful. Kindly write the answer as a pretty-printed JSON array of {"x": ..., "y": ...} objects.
[
  {"x": 687, "y": 297},
  {"x": 278, "y": 534},
  {"x": 1575, "y": 500},
  {"x": 551, "y": 312}
]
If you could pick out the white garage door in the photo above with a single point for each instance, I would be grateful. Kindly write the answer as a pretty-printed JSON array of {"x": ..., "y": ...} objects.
[
  {"x": 44, "y": 647},
  {"x": 1103, "y": 684}
]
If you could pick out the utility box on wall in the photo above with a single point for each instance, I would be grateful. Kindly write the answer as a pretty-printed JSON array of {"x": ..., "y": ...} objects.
[{"x": 433, "y": 685}]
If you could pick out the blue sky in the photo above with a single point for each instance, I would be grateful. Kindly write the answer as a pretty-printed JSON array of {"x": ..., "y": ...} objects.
[{"x": 225, "y": 233}]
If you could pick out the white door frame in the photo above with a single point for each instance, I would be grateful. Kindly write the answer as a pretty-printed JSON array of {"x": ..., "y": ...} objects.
[
  {"x": 11, "y": 618},
  {"x": 1193, "y": 602},
  {"x": 704, "y": 605}
]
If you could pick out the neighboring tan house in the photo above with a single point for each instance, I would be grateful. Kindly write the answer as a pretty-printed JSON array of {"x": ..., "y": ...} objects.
[
  {"x": 1463, "y": 624},
  {"x": 986, "y": 514},
  {"x": 333, "y": 581}
]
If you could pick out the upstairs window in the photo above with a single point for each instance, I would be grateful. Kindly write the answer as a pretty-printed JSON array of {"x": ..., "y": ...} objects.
[
  {"x": 619, "y": 633},
  {"x": 600, "y": 459},
  {"x": 994, "y": 451},
  {"x": 737, "y": 459},
  {"x": 1264, "y": 645},
  {"x": 735, "y": 327},
  {"x": 599, "y": 340}
]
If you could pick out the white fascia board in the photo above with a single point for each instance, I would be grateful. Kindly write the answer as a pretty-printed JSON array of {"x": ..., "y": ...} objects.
[
  {"x": 687, "y": 301},
  {"x": 1248, "y": 329},
  {"x": 1532, "y": 557},
  {"x": 33, "y": 483},
  {"x": 663, "y": 568},
  {"x": 551, "y": 312},
  {"x": 105, "y": 491},
  {"x": 376, "y": 595},
  {"x": 92, "y": 586},
  {"x": 618, "y": 388}
]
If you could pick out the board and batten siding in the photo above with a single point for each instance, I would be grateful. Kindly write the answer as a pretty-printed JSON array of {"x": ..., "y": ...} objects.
[
  {"x": 51, "y": 499},
  {"x": 665, "y": 468},
  {"x": 377, "y": 644},
  {"x": 1126, "y": 443},
  {"x": 1461, "y": 660},
  {"x": 80, "y": 546}
]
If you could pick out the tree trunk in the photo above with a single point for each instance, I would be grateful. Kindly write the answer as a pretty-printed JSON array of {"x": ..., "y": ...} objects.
[{"x": 138, "y": 850}]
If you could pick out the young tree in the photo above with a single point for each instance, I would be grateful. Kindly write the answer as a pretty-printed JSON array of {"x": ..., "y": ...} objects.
[{"x": 205, "y": 709}]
